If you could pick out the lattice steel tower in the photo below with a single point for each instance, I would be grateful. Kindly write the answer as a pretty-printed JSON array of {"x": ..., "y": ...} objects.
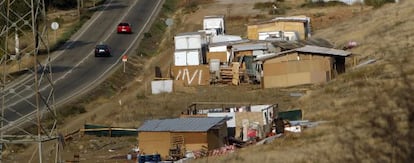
[{"x": 27, "y": 98}]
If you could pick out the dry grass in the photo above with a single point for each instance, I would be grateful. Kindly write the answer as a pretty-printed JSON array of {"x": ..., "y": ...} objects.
[
  {"x": 357, "y": 104},
  {"x": 369, "y": 109}
]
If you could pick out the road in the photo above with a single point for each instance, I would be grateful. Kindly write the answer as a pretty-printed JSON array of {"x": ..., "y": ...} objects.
[{"x": 75, "y": 69}]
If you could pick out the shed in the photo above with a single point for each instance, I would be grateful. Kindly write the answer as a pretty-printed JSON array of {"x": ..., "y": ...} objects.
[
  {"x": 186, "y": 134},
  {"x": 304, "y": 65},
  {"x": 215, "y": 22},
  {"x": 299, "y": 24}
]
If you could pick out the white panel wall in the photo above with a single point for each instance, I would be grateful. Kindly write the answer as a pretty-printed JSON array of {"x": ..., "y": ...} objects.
[
  {"x": 161, "y": 86},
  {"x": 187, "y": 58},
  {"x": 193, "y": 58},
  {"x": 217, "y": 48},
  {"x": 180, "y": 58},
  {"x": 231, "y": 122},
  {"x": 191, "y": 41}
]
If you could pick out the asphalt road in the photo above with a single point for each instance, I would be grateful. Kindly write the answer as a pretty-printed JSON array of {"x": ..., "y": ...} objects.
[{"x": 74, "y": 66}]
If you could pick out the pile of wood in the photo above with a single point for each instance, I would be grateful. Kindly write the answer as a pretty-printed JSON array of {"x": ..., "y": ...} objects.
[
  {"x": 177, "y": 149},
  {"x": 231, "y": 75}
]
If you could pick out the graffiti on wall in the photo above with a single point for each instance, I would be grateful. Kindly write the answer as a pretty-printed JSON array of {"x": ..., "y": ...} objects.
[
  {"x": 185, "y": 74},
  {"x": 192, "y": 75}
]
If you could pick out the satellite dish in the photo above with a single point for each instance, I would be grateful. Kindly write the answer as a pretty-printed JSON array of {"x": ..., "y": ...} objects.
[
  {"x": 169, "y": 22},
  {"x": 55, "y": 25}
]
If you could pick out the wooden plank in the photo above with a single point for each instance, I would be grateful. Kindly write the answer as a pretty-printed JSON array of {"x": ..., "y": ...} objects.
[
  {"x": 222, "y": 56},
  {"x": 235, "y": 70}
]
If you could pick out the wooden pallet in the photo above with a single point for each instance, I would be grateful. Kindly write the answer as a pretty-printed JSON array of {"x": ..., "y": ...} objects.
[
  {"x": 231, "y": 74},
  {"x": 177, "y": 147}
]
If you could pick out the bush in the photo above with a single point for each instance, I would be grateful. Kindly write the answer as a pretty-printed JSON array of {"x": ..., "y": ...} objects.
[
  {"x": 64, "y": 4},
  {"x": 321, "y": 3},
  {"x": 265, "y": 5},
  {"x": 149, "y": 45},
  {"x": 377, "y": 3},
  {"x": 73, "y": 110}
]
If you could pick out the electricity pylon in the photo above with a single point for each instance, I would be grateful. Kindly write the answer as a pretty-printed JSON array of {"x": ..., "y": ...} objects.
[{"x": 28, "y": 114}]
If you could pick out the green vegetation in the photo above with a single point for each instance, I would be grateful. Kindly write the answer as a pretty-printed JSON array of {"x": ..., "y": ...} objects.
[
  {"x": 85, "y": 16},
  {"x": 63, "y": 4},
  {"x": 377, "y": 3},
  {"x": 319, "y": 14},
  {"x": 191, "y": 7},
  {"x": 374, "y": 3},
  {"x": 269, "y": 6},
  {"x": 263, "y": 5},
  {"x": 149, "y": 45},
  {"x": 72, "y": 110},
  {"x": 311, "y": 4}
]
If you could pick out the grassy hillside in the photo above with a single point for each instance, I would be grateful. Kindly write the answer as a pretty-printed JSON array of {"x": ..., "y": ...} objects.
[{"x": 370, "y": 109}]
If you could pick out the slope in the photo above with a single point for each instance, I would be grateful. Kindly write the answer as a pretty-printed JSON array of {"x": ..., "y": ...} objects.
[{"x": 370, "y": 109}]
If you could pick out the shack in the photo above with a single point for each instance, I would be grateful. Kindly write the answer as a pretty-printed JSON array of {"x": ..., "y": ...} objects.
[
  {"x": 305, "y": 65},
  {"x": 281, "y": 28},
  {"x": 215, "y": 22},
  {"x": 173, "y": 137}
]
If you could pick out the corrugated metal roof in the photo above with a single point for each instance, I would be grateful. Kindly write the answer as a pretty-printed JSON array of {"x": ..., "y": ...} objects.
[
  {"x": 317, "y": 42},
  {"x": 323, "y": 50},
  {"x": 190, "y": 33},
  {"x": 271, "y": 55},
  {"x": 302, "y": 19},
  {"x": 213, "y": 16},
  {"x": 250, "y": 46},
  {"x": 181, "y": 124},
  {"x": 228, "y": 43},
  {"x": 288, "y": 45},
  {"x": 308, "y": 49},
  {"x": 225, "y": 38}
]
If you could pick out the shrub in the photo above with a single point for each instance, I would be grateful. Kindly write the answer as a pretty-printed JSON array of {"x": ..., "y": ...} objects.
[
  {"x": 64, "y": 4},
  {"x": 377, "y": 3},
  {"x": 321, "y": 3},
  {"x": 265, "y": 5}
]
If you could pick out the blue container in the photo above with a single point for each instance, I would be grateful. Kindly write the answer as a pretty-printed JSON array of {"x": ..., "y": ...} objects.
[
  {"x": 141, "y": 159},
  {"x": 148, "y": 157},
  {"x": 156, "y": 157}
]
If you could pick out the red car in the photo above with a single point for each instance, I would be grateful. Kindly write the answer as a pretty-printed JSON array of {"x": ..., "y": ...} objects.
[{"x": 124, "y": 28}]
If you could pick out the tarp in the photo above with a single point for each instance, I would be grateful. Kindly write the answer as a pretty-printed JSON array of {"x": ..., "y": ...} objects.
[
  {"x": 291, "y": 115},
  {"x": 99, "y": 130}
]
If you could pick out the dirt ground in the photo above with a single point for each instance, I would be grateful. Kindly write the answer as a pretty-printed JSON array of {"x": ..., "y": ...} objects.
[{"x": 124, "y": 108}]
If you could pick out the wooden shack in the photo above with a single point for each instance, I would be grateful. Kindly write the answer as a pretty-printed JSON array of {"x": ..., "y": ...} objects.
[
  {"x": 182, "y": 134},
  {"x": 305, "y": 65}
]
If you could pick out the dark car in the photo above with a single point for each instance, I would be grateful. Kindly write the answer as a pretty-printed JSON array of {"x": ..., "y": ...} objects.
[
  {"x": 102, "y": 50},
  {"x": 124, "y": 28}
]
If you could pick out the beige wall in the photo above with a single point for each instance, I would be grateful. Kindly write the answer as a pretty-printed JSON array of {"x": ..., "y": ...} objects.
[
  {"x": 154, "y": 142},
  {"x": 191, "y": 75},
  {"x": 254, "y": 30},
  {"x": 193, "y": 140},
  {"x": 222, "y": 56},
  {"x": 287, "y": 70},
  {"x": 160, "y": 142}
]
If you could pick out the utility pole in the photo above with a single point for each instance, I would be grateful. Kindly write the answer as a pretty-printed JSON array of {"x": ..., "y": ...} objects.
[{"x": 4, "y": 76}]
